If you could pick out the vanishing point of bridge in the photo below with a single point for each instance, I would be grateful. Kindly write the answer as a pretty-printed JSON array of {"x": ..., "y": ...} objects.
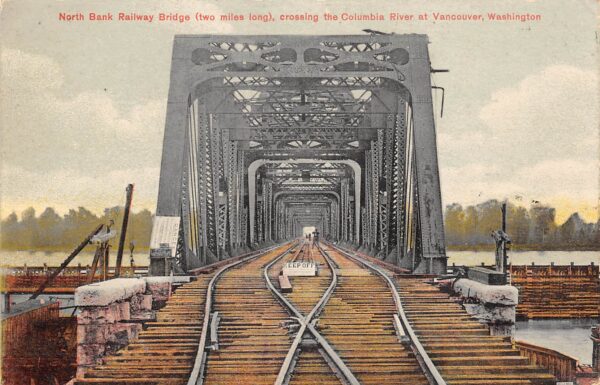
[{"x": 267, "y": 137}]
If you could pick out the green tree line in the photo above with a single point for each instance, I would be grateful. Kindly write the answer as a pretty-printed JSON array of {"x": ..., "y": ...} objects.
[
  {"x": 534, "y": 228},
  {"x": 467, "y": 227},
  {"x": 53, "y": 232}
]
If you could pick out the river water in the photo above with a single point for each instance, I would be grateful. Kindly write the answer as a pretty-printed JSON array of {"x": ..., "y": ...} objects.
[
  {"x": 38, "y": 258},
  {"x": 472, "y": 258},
  {"x": 469, "y": 258},
  {"x": 568, "y": 336}
]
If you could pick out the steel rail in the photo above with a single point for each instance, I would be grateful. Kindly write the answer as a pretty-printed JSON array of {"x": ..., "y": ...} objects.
[
  {"x": 306, "y": 322},
  {"x": 197, "y": 373},
  {"x": 424, "y": 360}
]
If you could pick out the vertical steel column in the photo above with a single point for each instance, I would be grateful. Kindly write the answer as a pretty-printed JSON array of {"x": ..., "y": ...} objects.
[
  {"x": 402, "y": 160},
  {"x": 204, "y": 180},
  {"x": 244, "y": 223},
  {"x": 258, "y": 229},
  {"x": 173, "y": 162},
  {"x": 352, "y": 227},
  {"x": 222, "y": 148},
  {"x": 190, "y": 259},
  {"x": 392, "y": 187},
  {"x": 239, "y": 240},
  {"x": 333, "y": 218},
  {"x": 276, "y": 219},
  {"x": 268, "y": 208},
  {"x": 326, "y": 223},
  {"x": 284, "y": 234},
  {"x": 215, "y": 165},
  {"x": 375, "y": 177},
  {"x": 288, "y": 224},
  {"x": 231, "y": 151},
  {"x": 281, "y": 214},
  {"x": 431, "y": 226},
  {"x": 344, "y": 209},
  {"x": 365, "y": 211},
  {"x": 384, "y": 188}
]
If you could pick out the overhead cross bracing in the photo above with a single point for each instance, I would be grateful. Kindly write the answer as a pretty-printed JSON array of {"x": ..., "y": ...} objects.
[{"x": 268, "y": 134}]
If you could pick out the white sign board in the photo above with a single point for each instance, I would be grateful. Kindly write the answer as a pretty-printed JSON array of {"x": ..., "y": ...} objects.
[
  {"x": 300, "y": 269},
  {"x": 165, "y": 230}
]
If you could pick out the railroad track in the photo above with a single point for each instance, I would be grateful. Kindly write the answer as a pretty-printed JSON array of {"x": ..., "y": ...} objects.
[
  {"x": 360, "y": 322},
  {"x": 261, "y": 331},
  {"x": 457, "y": 345},
  {"x": 342, "y": 328},
  {"x": 310, "y": 359},
  {"x": 353, "y": 323},
  {"x": 168, "y": 351},
  {"x": 460, "y": 347},
  {"x": 252, "y": 341}
]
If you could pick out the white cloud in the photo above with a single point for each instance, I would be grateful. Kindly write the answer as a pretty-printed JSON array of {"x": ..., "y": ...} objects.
[
  {"x": 476, "y": 182},
  {"x": 45, "y": 131},
  {"x": 550, "y": 114},
  {"x": 540, "y": 181},
  {"x": 554, "y": 178},
  {"x": 537, "y": 140},
  {"x": 68, "y": 151},
  {"x": 38, "y": 72}
]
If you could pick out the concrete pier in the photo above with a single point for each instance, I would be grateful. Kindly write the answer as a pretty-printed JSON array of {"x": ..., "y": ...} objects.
[
  {"x": 111, "y": 313},
  {"x": 494, "y": 305}
]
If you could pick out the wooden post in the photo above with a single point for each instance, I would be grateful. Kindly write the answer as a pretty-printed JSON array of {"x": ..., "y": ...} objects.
[
  {"x": 129, "y": 191},
  {"x": 97, "y": 255},
  {"x": 106, "y": 262}
]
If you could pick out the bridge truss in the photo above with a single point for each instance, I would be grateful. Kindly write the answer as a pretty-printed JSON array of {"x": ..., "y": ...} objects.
[{"x": 268, "y": 134}]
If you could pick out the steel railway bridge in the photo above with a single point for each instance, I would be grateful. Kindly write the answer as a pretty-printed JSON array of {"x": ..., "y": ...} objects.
[{"x": 266, "y": 135}]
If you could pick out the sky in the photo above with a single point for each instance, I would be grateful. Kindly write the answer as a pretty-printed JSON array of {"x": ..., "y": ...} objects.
[{"x": 82, "y": 103}]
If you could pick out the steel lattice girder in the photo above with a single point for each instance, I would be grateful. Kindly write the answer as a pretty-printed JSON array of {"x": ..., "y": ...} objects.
[{"x": 292, "y": 97}]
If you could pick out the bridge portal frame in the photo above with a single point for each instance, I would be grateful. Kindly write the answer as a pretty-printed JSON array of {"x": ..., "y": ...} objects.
[{"x": 333, "y": 61}]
